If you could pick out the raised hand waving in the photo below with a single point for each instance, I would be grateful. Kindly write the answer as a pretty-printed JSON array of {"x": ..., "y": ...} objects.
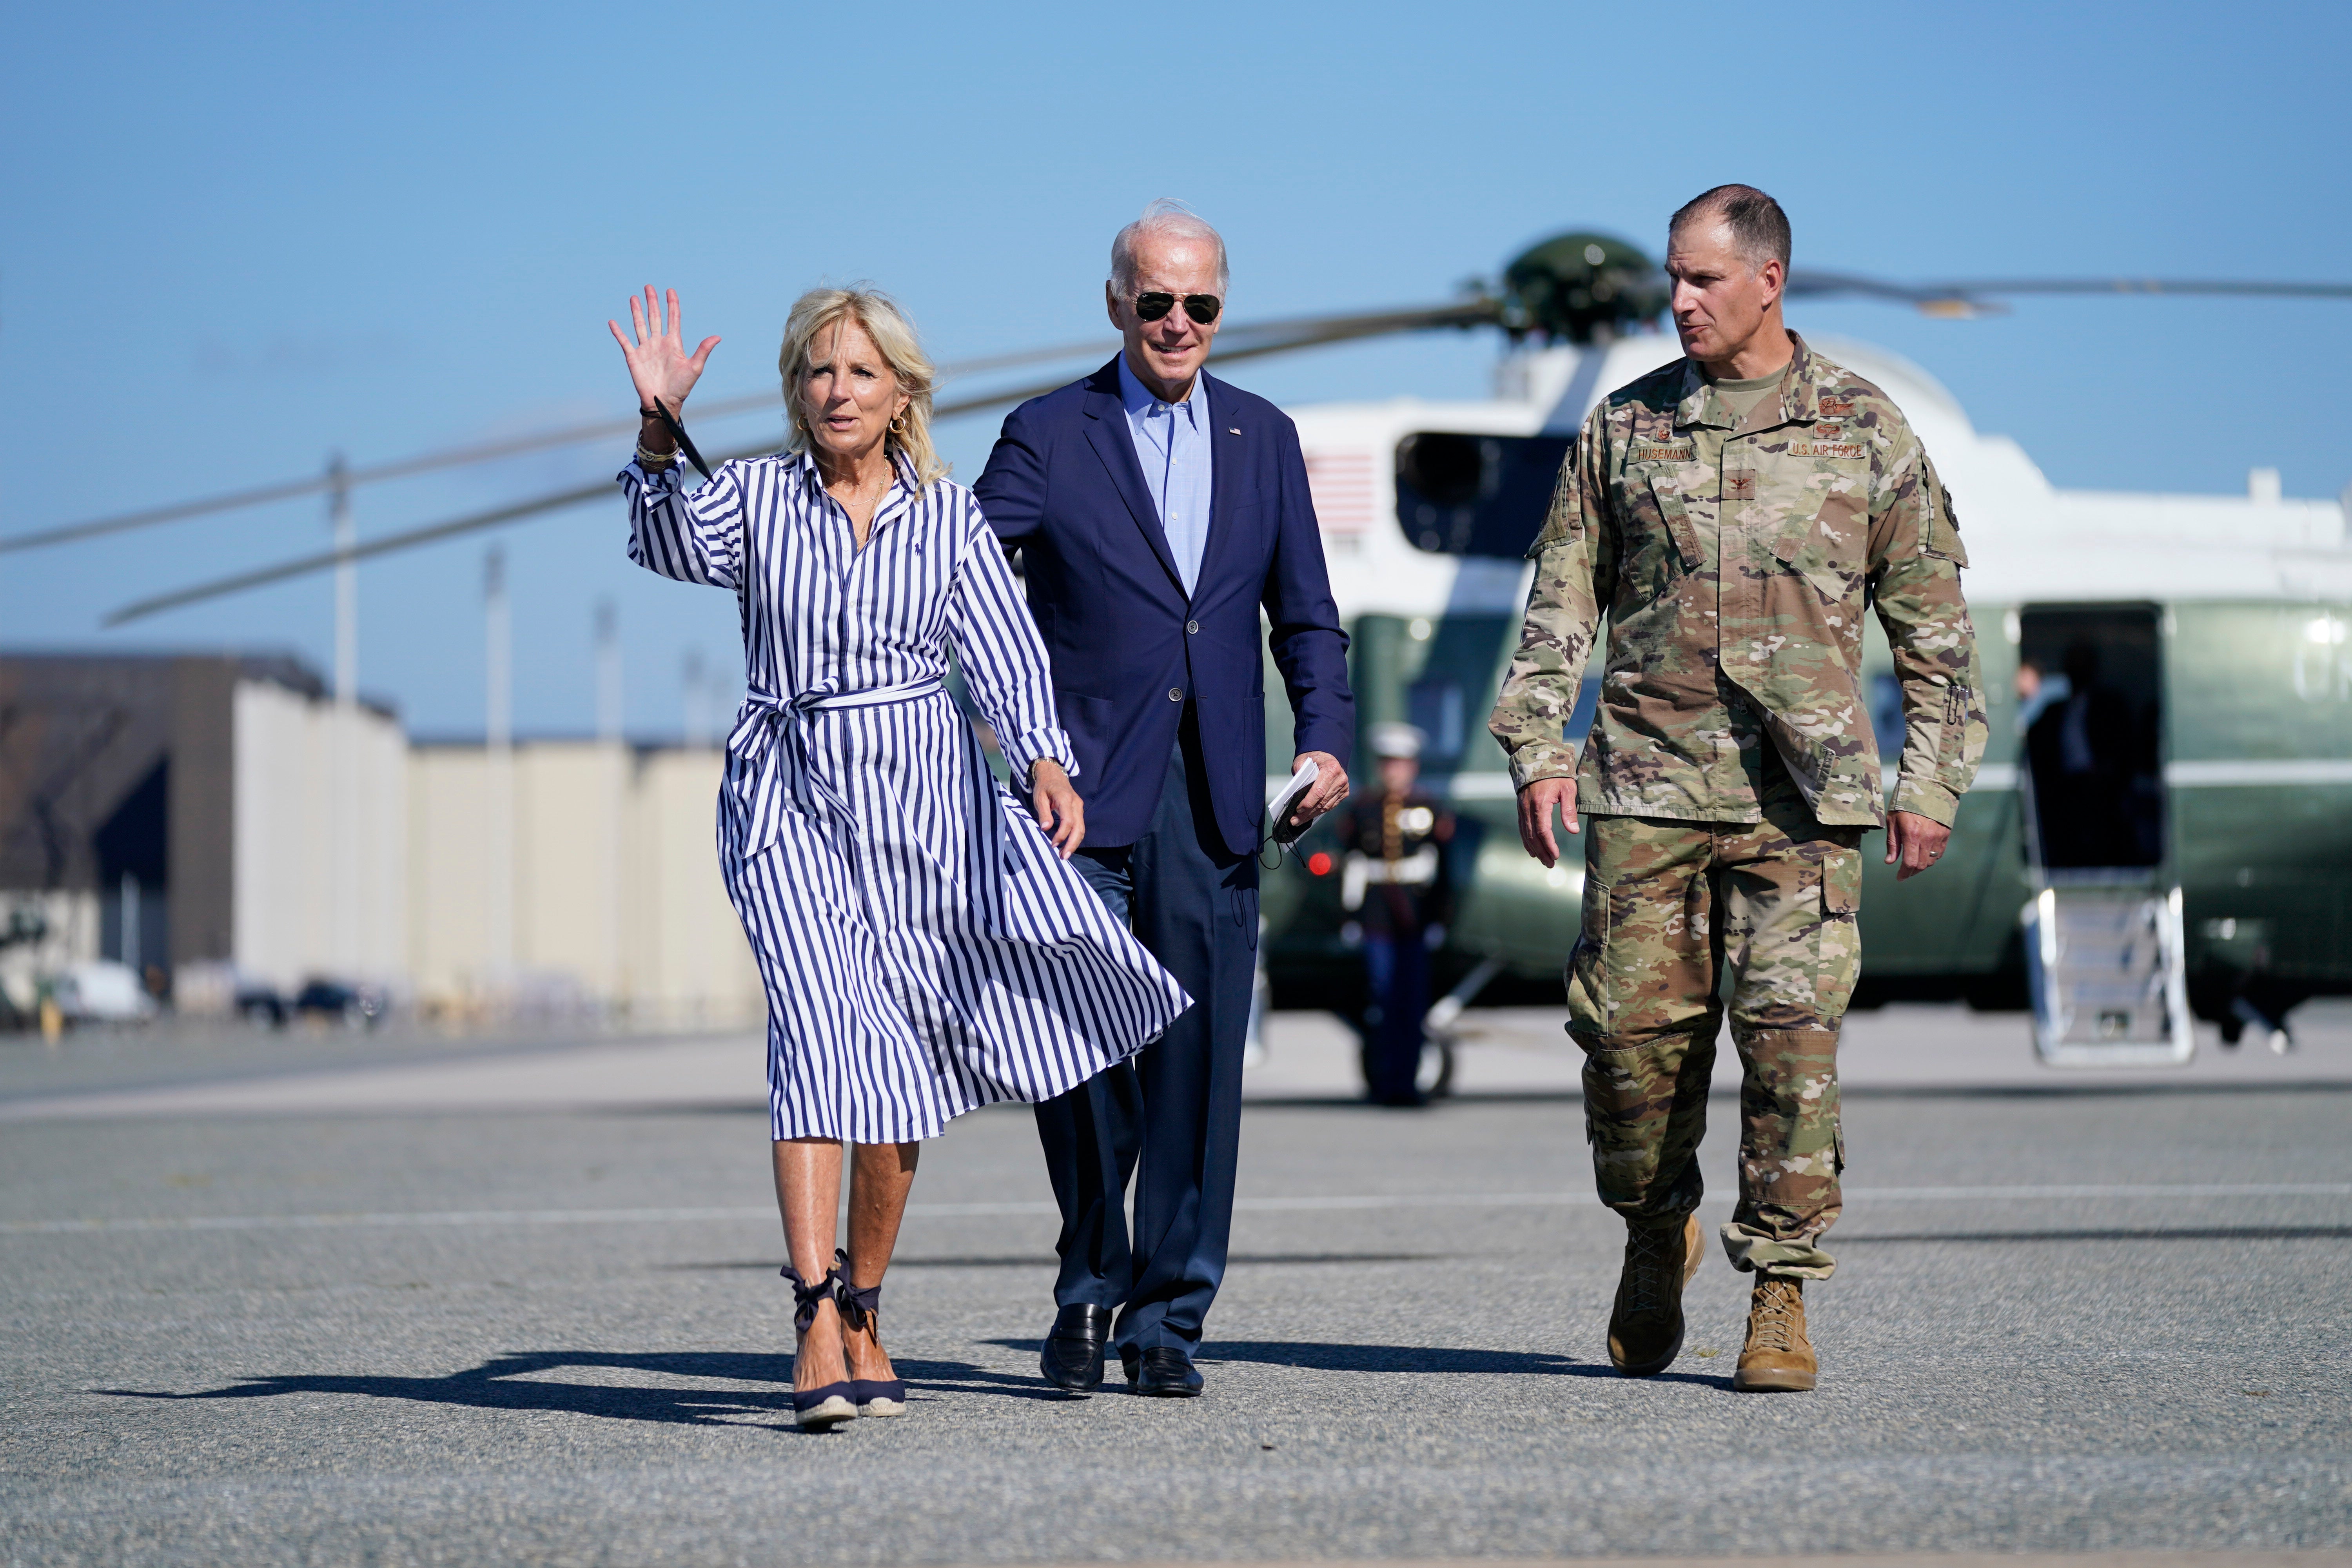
[{"x": 659, "y": 363}]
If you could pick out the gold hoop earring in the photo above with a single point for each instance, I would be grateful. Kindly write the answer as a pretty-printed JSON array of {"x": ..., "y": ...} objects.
[{"x": 898, "y": 425}]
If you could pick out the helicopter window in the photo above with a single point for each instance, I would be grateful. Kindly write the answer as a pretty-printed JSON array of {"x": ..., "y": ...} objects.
[{"x": 1476, "y": 495}]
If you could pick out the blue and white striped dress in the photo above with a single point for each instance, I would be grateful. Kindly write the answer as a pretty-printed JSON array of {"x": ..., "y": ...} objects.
[{"x": 924, "y": 947}]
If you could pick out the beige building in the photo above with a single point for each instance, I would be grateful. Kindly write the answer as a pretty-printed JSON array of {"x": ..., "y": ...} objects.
[
  {"x": 206, "y": 820},
  {"x": 557, "y": 875},
  {"x": 319, "y": 844},
  {"x": 221, "y": 823}
]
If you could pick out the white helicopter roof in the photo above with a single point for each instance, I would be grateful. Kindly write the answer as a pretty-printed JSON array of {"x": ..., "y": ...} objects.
[{"x": 2028, "y": 540}]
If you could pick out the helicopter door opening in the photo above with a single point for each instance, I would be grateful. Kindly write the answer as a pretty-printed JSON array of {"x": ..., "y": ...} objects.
[
  {"x": 2102, "y": 932},
  {"x": 1476, "y": 495}
]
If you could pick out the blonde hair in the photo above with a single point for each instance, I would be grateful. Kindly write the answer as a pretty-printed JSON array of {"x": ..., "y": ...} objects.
[{"x": 901, "y": 349}]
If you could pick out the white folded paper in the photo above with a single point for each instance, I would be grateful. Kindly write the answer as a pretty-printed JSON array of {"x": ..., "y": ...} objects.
[{"x": 1278, "y": 825}]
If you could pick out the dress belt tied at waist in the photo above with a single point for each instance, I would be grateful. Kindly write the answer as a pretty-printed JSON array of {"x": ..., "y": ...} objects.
[{"x": 771, "y": 741}]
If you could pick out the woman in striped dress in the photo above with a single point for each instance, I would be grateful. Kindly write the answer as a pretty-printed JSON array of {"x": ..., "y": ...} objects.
[{"x": 924, "y": 947}]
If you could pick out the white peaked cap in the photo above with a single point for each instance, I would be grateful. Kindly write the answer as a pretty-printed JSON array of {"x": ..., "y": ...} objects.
[{"x": 1397, "y": 741}]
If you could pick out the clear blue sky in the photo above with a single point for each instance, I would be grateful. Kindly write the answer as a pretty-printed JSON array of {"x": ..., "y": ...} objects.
[{"x": 241, "y": 237}]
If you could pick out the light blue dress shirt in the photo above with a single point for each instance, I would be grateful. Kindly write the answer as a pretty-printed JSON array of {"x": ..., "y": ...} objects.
[{"x": 1171, "y": 442}]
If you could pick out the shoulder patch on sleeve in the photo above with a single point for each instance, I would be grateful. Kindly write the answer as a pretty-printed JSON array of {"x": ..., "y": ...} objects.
[
  {"x": 1943, "y": 521},
  {"x": 1566, "y": 517}
]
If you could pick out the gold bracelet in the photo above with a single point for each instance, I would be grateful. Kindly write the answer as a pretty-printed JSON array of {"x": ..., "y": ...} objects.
[{"x": 654, "y": 459}]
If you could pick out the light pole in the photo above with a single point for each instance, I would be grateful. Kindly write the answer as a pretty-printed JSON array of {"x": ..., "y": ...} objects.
[
  {"x": 611, "y": 763},
  {"x": 347, "y": 583},
  {"x": 343, "y": 820}
]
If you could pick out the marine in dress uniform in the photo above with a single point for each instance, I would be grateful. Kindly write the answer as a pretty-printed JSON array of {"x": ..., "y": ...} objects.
[{"x": 1396, "y": 888}]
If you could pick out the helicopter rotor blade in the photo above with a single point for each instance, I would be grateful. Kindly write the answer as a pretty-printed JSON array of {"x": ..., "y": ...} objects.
[
  {"x": 1980, "y": 296},
  {"x": 1809, "y": 282},
  {"x": 1306, "y": 332},
  {"x": 477, "y": 452},
  {"x": 456, "y": 457},
  {"x": 472, "y": 523},
  {"x": 2238, "y": 288},
  {"x": 1963, "y": 299},
  {"x": 1241, "y": 341},
  {"x": 303, "y": 565},
  {"x": 1251, "y": 341}
]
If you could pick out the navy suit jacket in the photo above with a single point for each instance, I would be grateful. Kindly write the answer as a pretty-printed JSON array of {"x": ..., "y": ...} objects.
[{"x": 1128, "y": 648}]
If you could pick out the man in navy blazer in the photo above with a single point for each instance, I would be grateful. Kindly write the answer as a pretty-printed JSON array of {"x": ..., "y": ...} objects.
[{"x": 1158, "y": 511}]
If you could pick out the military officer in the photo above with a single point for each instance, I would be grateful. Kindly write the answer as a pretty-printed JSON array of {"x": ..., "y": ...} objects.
[
  {"x": 1733, "y": 514},
  {"x": 1398, "y": 897}
]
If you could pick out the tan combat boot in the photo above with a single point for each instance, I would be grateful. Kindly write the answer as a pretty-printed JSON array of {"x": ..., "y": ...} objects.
[
  {"x": 1777, "y": 1357},
  {"x": 1646, "y": 1327}
]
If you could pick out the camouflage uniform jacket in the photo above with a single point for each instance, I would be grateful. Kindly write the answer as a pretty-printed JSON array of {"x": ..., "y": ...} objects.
[{"x": 1734, "y": 586}]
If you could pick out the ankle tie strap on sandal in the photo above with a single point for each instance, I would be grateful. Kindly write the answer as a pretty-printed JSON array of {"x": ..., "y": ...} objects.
[
  {"x": 857, "y": 1306},
  {"x": 806, "y": 1297}
]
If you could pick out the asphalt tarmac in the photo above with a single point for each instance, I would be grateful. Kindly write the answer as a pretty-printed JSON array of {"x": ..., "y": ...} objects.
[{"x": 2071, "y": 1316}]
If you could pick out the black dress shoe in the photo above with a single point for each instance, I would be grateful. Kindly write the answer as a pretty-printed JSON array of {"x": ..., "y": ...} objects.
[
  {"x": 1071, "y": 1360},
  {"x": 1164, "y": 1373}
]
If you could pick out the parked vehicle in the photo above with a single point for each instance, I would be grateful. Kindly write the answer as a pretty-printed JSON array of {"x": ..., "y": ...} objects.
[
  {"x": 261, "y": 1006},
  {"x": 353, "y": 1006},
  {"x": 103, "y": 992}
]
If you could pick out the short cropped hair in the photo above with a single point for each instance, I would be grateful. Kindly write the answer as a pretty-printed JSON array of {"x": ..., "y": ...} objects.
[
  {"x": 1169, "y": 216},
  {"x": 1759, "y": 229}
]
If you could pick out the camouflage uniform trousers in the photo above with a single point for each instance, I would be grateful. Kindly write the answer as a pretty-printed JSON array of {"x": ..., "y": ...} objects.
[{"x": 1667, "y": 905}]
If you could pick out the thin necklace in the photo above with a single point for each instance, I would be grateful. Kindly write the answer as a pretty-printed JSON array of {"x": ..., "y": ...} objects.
[{"x": 857, "y": 488}]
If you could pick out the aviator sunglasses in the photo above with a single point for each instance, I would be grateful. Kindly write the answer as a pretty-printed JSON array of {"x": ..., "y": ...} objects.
[{"x": 1202, "y": 308}]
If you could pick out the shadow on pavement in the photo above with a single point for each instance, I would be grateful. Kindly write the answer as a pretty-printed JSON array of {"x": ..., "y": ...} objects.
[
  {"x": 2089, "y": 1089},
  {"x": 1318, "y": 1357},
  {"x": 506, "y": 1383},
  {"x": 2150, "y": 1233},
  {"x": 1046, "y": 1261},
  {"x": 1307, "y": 1100},
  {"x": 1313, "y": 1356}
]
